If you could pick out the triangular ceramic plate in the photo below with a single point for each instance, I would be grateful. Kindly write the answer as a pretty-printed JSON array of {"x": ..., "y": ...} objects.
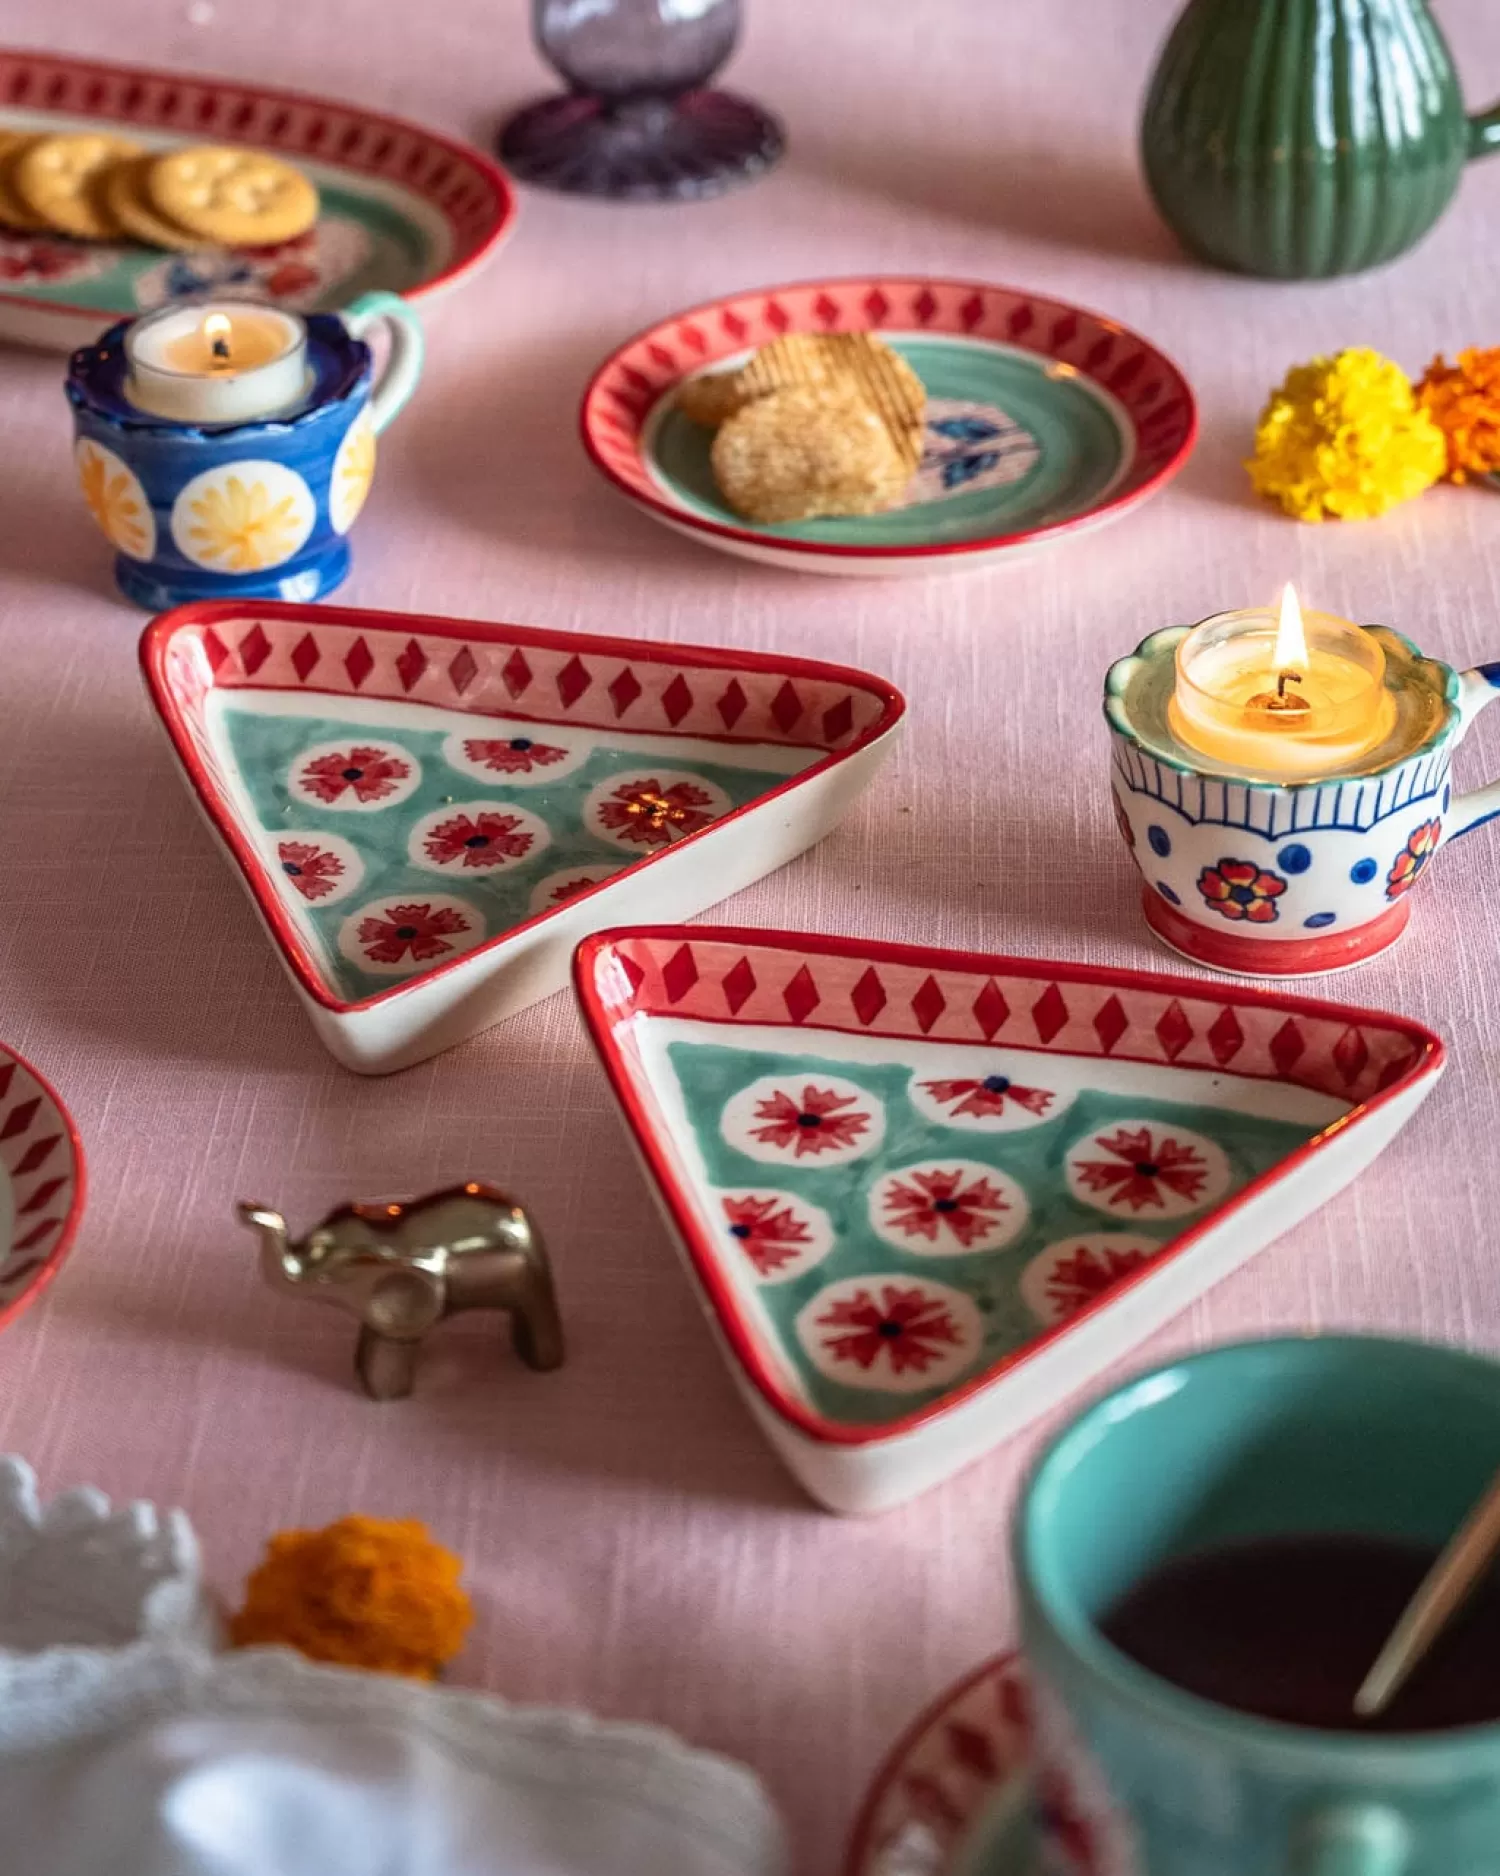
[
  {"x": 41, "y": 1183},
  {"x": 403, "y": 208},
  {"x": 926, "y": 1194},
  {"x": 1042, "y": 420},
  {"x": 430, "y": 813}
]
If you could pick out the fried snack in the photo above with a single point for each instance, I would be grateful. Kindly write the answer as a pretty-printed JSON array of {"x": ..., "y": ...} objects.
[
  {"x": 59, "y": 179},
  {"x": 13, "y": 211},
  {"x": 124, "y": 190},
  {"x": 856, "y": 360},
  {"x": 812, "y": 450},
  {"x": 231, "y": 197},
  {"x": 886, "y": 382}
]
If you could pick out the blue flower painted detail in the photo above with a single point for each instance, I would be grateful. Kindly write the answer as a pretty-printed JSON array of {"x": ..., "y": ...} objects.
[
  {"x": 966, "y": 429},
  {"x": 960, "y": 469}
]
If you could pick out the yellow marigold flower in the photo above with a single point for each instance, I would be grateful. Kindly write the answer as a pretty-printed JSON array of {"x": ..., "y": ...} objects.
[
  {"x": 365, "y": 1593},
  {"x": 1463, "y": 400},
  {"x": 1345, "y": 438}
]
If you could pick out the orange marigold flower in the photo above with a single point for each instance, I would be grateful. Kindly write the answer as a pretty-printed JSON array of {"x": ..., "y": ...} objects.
[
  {"x": 1463, "y": 400},
  {"x": 364, "y": 1593}
]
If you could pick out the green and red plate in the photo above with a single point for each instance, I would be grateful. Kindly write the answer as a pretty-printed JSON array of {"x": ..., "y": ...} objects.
[{"x": 1042, "y": 420}]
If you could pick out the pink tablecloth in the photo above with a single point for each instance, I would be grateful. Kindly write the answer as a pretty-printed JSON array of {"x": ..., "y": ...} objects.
[{"x": 632, "y": 1544}]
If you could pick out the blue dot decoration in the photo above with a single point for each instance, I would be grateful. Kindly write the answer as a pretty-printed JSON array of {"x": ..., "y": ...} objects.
[
  {"x": 1295, "y": 859},
  {"x": 1167, "y": 893},
  {"x": 1363, "y": 871},
  {"x": 1159, "y": 841},
  {"x": 1447, "y": 795},
  {"x": 1319, "y": 920}
]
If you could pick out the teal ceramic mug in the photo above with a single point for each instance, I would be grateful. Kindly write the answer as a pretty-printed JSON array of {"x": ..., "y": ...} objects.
[{"x": 1135, "y": 1777}]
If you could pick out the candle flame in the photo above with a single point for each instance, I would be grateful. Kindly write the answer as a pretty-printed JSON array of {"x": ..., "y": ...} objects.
[
  {"x": 1291, "y": 639},
  {"x": 216, "y": 330}
]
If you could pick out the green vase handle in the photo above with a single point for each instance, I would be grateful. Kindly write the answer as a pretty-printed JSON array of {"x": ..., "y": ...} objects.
[
  {"x": 1352, "y": 1840},
  {"x": 1484, "y": 132},
  {"x": 404, "y": 366}
]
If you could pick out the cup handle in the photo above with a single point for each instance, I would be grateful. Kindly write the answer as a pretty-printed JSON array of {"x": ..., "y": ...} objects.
[
  {"x": 404, "y": 366},
  {"x": 1477, "y": 688},
  {"x": 1352, "y": 1840}
]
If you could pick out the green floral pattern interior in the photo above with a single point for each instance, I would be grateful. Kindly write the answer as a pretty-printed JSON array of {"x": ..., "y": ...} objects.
[
  {"x": 1080, "y": 453},
  {"x": 854, "y": 1253},
  {"x": 396, "y": 851}
]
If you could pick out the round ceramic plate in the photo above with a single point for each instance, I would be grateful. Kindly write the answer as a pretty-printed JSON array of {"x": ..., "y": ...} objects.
[
  {"x": 1042, "y": 420},
  {"x": 41, "y": 1183},
  {"x": 949, "y": 1799}
]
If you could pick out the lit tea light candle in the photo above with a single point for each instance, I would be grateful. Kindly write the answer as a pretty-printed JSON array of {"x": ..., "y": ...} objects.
[
  {"x": 1281, "y": 695},
  {"x": 225, "y": 363}
]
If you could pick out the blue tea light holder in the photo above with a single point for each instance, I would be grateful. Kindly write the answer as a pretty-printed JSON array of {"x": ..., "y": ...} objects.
[{"x": 259, "y": 509}]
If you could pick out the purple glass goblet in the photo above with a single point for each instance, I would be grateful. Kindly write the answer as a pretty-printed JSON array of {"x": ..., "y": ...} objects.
[{"x": 637, "y": 122}]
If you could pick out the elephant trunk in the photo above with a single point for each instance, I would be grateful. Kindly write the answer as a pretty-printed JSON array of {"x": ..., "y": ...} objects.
[{"x": 279, "y": 1263}]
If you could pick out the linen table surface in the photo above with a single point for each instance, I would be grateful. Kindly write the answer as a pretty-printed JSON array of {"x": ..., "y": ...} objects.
[{"x": 632, "y": 1544}]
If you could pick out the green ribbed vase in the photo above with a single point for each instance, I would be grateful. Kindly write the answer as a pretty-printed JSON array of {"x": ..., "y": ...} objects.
[{"x": 1299, "y": 139}]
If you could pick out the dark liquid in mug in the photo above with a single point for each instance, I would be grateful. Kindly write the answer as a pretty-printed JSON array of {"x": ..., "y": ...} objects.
[{"x": 1288, "y": 1628}]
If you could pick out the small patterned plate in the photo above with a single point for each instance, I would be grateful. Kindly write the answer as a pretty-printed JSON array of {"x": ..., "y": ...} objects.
[
  {"x": 41, "y": 1183},
  {"x": 404, "y": 208},
  {"x": 926, "y": 1194},
  {"x": 949, "y": 1799},
  {"x": 1042, "y": 420}
]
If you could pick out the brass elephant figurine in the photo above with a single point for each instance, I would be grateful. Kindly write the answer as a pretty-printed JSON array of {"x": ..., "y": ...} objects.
[{"x": 402, "y": 1268}]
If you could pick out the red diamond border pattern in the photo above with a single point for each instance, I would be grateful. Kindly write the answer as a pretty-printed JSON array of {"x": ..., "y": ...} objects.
[{"x": 748, "y": 983}]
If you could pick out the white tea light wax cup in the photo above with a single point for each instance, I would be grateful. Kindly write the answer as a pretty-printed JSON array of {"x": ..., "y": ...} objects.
[{"x": 223, "y": 363}]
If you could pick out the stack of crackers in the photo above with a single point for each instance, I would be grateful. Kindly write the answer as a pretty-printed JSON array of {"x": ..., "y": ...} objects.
[
  {"x": 95, "y": 187},
  {"x": 814, "y": 424}
]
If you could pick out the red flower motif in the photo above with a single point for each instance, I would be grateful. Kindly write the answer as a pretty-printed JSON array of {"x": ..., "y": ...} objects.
[
  {"x": 769, "y": 1232},
  {"x": 1122, "y": 819},
  {"x": 1077, "y": 1280},
  {"x": 291, "y": 277},
  {"x": 570, "y": 889},
  {"x": 935, "y": 1201},
  {"x": 1412, "y": 860},
  {"x": 369, "y": 772},
  {"x": 313, "y": 871},
  {"x": 1240, "y": 889},
  {"x": 813, "y": 1125},
  {"x": 418, "y": 929},
  {"x": 987, "y": 1097},
  {"x": 38, "y": 260},
  {"x": 1141, "y": 1166},
  {"x": 652, "y": 816},
  {"x": 905, "y": 1326},
  {"x": 487, "y": 839},
  {"x": 515, "y": 755}
]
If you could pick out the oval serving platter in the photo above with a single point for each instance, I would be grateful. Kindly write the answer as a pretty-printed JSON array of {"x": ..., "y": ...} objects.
[
  {"x": 41, "y": 1183},
  {"x": 1042, "y": 420},
  {"x": 404, "y": 208}
]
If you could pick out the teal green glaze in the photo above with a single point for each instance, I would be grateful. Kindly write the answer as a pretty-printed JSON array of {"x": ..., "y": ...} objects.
[
  {"x": 709, "y": 1074},
  {"x": 264, "y": 748},
  {"x": 1299, "y": 139},
  {"x": 401, "y": 253},
  {"x": 1390, "y": 1439},
  {"x": 1082, "y": 454}
]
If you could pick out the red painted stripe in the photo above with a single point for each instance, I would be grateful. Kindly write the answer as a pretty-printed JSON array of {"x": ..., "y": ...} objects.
[{"x": 1273, "y": 957}]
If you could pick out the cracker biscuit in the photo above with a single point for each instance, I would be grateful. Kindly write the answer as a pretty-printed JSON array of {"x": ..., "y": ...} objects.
[
  {"x": 125, "y": 198},
  {"x": 811, "y": 450},
  {"x": 858, "y": 360},
  {"x": 13, "y": 211},
  {"x": 233, "y": 197},
  {"x": 886, "y": 382},
  {"x": 59, "y": 179}
]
